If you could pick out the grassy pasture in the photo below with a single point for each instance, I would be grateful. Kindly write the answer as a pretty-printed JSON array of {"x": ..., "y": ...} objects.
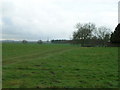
[{"x": 59, "y": 66}]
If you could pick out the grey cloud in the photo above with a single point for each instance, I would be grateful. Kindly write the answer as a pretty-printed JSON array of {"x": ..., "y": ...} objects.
[{"x": 53, "y": 19}]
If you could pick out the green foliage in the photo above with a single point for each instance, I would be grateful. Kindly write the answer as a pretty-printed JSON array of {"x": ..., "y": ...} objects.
[
  {"x": 84, "y": 31},
  {"x": 24, "y": 41},
  {"x": 59, "y": 66},
  {"x": 40, "y": 42}
]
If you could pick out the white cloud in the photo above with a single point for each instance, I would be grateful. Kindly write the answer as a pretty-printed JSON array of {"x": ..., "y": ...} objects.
[{"x": 33, "y": 19}]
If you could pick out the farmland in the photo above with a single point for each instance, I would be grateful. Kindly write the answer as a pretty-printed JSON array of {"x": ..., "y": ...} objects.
[{"x": 59, "y": 66}]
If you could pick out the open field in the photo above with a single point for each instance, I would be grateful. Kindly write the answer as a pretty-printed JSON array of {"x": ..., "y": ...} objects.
[{"x": 59, "y": 66}]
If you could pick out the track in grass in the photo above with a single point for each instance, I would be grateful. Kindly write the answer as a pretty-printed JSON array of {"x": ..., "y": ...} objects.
[{"x": 61, "y": 66}]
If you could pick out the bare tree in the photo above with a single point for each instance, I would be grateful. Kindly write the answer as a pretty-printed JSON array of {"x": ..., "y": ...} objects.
[
  {"x": 84, "y": 32},
  {"x": 102, "y": 33},
  {"x": 24, "y": 41},
  {"x": 39, "y": 41}
]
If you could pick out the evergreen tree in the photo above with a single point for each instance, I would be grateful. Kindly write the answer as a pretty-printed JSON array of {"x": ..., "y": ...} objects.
[{"x": 115, "y": 36}]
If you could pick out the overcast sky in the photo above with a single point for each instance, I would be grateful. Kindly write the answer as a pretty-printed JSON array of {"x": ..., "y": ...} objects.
[{"x": 53, "y": 19}]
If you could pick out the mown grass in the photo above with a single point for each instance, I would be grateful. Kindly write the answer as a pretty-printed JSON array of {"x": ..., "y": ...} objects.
[{"x": 59, "y": 66}]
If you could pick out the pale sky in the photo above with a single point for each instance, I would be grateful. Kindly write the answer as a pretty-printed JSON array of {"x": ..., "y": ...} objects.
[{"x": 53, "y": 19}]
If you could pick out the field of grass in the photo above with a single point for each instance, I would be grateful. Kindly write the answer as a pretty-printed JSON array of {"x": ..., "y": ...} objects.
[{"x": 59, "y": 66}]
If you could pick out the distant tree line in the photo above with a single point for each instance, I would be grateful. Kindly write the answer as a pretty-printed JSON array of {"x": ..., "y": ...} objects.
[
  {"x": 89, "y": 35},
  {"x": 25, "y": 41},
  {"x": 63, "y": 41}
]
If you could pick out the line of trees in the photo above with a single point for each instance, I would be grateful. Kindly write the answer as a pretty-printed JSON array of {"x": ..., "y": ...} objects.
[
  {"x": 25, "y": 41},
  {"x": 63, "y": 41},
  {"x": 89, "y": 35}
]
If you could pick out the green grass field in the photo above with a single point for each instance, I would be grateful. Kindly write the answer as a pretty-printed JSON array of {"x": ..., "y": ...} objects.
[{"x": 59, "y": 66}]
